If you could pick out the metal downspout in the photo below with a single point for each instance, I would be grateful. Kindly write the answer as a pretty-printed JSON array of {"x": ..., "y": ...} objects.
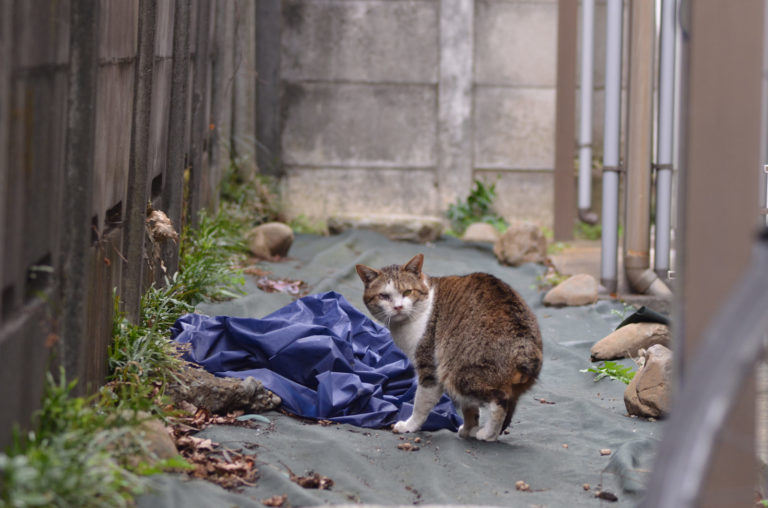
[
  {"x": 585, "y": 121},
  {"x": 611, "y": 145},
  {"x": 639, "y": 148},
  {"x": 665, "y": 133}
]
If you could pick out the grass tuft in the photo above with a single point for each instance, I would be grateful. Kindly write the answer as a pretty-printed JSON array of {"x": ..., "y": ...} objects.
[
  {"x": 478, "y": 207},
  {"x": 612, "y": 370}
]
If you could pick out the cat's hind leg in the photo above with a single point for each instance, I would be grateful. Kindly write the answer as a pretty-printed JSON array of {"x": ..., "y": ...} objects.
[
  {"x": 425, "y": 400},
  {"x": 492, "y": 427},
  {"x": 470, "y": 413}
]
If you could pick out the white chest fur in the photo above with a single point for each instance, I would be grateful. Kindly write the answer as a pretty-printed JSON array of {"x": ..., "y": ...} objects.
[{"x": 407, "y": 334}]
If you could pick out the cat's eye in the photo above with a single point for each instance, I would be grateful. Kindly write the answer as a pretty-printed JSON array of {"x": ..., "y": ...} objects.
[
  {"x": 407, "y": 292},
  {"x": 384, "y": 296}
]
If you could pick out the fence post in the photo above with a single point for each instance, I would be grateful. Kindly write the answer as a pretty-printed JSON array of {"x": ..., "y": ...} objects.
[
  {"x": 173, "y": 183},
  {"x": 565, "y": 119},
  {"x": 78, "y": 182},
  {"x": 268, "y": 21},
  {"x": 199, "y": 121},
  {"x": 138, "y": 168}
]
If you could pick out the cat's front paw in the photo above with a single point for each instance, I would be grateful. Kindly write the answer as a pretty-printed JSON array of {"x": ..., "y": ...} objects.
[
  {"x": 465, "y": 432},
  {"x": 405, "y": 426},
  {"x": 485, "y": 434}
]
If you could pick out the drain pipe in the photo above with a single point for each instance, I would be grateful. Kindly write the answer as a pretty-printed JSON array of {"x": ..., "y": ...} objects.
[
  {"x": 614, "y": 21},
  {"x": 585, "y": 123},
  {"x": 665, "y": 133},
  {"x": 639, "y": 147}
]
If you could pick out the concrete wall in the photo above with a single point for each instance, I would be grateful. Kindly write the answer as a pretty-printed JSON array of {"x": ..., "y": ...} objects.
[{"x": 394, "y": 106}]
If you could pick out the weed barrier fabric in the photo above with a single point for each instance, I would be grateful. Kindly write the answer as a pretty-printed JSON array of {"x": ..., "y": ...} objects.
[
  {"x": 323, "y": 357},
  {"x": 554, "y": 442}
]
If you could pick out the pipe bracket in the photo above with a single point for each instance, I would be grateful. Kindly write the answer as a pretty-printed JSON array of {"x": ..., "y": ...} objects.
[
  {"x": 614, "y": 169},
  {"x": 657, "y": 167}
]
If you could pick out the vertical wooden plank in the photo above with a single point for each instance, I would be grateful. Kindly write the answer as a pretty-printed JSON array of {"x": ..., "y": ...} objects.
[
  {"x": 268, "y": 111},
  {"x": 78, "y": 182},
  {"x": 721, "y": 148},
  {"x": 177, "y": 126},
  {"x": 199, "y": 124},
  {"x": 244, "y": 110},
  {"x": 565, "y": 120},
  {"x": 138, "y": 167},
  {"x": 222, "y": 74},
  {"x": 6, "y": 69}
]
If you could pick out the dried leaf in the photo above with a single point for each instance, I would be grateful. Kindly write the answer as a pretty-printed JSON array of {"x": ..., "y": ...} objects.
[{"x": 277, "y": 501}]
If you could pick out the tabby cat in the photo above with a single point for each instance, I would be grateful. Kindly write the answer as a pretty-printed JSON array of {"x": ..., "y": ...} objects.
[{"x": 472, "y": 336}]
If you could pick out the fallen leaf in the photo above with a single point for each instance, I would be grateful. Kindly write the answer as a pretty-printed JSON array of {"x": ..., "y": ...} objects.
[
  {"x": 407, "y": 447},
  {"x": 275, "y": 501},
  {"x": 606, "y": 495}
]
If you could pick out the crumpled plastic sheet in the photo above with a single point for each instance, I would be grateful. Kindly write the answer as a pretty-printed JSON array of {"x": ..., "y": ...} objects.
[{"x": 323, "y": 357}]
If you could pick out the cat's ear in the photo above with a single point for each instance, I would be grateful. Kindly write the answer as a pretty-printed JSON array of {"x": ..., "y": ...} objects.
[
  {"x": 366, "y": 273},
  {"x": 415, "y": 264}
]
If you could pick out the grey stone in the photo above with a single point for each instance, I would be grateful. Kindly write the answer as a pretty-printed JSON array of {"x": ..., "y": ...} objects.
[
  {"x": 481, "y": 232},
  {"x": 220, "y": 394},
  {"x": 269, "y": 240},
  {"x": 648, "y": 394},
  {"x": 413, "y": 228},
  {"x": 628, "y": 340},
  {"x": 522, "y": 242},
  {"x": 580, "y": 289}
]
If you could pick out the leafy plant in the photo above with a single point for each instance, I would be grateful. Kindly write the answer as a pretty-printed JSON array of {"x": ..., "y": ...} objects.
[
  {"x": 587, "y": 231},
  {"x": 305, "y": 225},
  {"x": 478, "y": 207},
  {"x": 612, "y": 370},
  {"x": 621, "y": 314}
]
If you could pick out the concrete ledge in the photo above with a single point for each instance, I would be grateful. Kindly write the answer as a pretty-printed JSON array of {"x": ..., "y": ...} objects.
[{"x": 412, "y": 228}]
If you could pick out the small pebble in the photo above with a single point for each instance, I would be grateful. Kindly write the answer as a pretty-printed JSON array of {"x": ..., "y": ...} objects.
[
  {"x": 417, "y": 440},
  {"x": 565, "y": 445},
  {"x": 585, "y": 486},
  {"x": 522, "y": 486},
  {"x": 605, "y": 451}
]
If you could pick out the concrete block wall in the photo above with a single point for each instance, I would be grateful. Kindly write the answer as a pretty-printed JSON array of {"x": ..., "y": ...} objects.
[{"x": 394, "y": 106}]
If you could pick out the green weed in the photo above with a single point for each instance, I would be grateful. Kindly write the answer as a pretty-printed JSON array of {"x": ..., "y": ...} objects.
[
  {"x": 612, "y": 370},
  {"x": 586, "y": 231},
  {"x": 478, "y": 207},
  {"x": 304, "y": 225}
]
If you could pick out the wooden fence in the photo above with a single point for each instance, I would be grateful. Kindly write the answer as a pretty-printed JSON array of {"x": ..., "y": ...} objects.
[{"x": 104, "y": 107}]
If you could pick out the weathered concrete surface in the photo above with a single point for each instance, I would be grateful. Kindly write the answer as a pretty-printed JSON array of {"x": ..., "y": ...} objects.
[
  {"x": 318, "y": 192},
  {"x": 356, "y": 41},
  {"x": 411, "y": 228},
  {"x": 446, "y": 91},
  {"x": 359, "y": 125}
]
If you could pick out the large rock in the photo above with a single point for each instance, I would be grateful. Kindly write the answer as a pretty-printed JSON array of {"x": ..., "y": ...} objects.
[
  {"x": 412, "y": 228},
  {"x": 648, "y": 394},
  {"x": 628, "y": 340},
  {"x": 523, "y": 242},
  {"x": 578, "y": 289},
  {"x": 481, "y": 232},
  {"x": 220, "y": 395},
  {"x": 269, "y": 240}
]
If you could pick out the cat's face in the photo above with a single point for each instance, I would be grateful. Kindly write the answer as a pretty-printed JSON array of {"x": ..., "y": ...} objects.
[{"x": 395, "y": 293}]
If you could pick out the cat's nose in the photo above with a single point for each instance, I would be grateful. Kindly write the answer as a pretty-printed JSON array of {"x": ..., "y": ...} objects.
[{"x": 398, "y": 307}]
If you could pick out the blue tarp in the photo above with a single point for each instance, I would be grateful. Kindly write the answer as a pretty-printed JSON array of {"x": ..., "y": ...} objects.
[{"x": 323, "y": 357}]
